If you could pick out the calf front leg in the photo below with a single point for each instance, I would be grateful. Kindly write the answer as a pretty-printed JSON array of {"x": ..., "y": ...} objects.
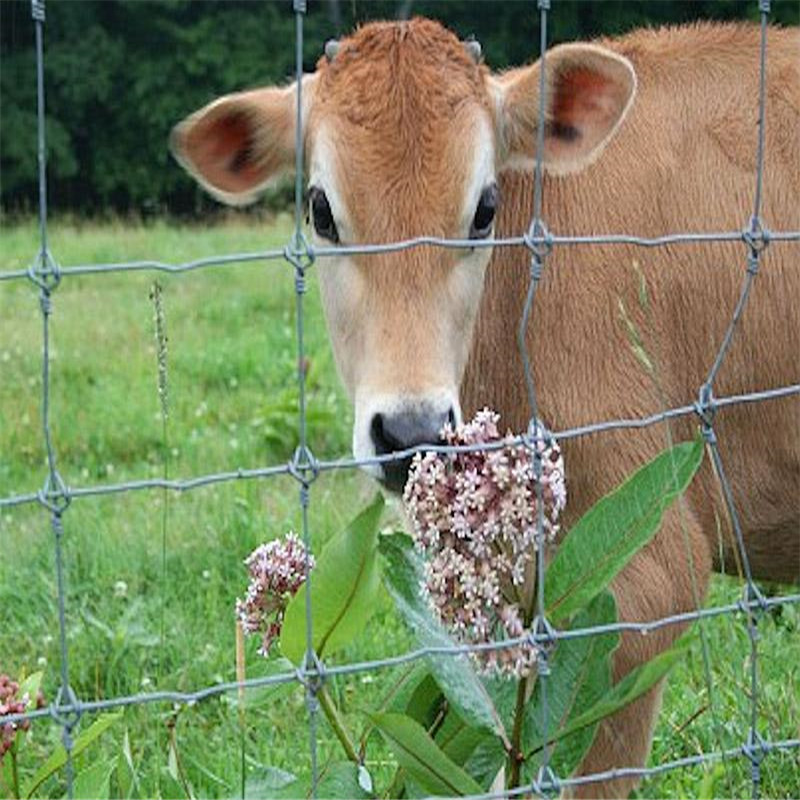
[{"x": 668, "y": 577}]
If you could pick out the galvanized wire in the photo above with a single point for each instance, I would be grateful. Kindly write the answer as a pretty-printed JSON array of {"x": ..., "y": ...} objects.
[{"x": 56, "y": 495}]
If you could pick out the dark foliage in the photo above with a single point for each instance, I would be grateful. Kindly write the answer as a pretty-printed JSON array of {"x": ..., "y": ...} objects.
[{"x": 120, "y": 74}]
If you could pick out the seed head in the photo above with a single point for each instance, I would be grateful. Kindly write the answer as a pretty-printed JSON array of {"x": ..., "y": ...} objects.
[{"x": 160, "y": 324}]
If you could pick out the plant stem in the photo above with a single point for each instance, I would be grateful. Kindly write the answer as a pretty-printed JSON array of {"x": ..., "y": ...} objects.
[
  {"x": 516, "y": 756},
  {"x": 15, "y": 770},
  {"x": 335, "y": 720},
  {"x": 164, "y": 521}
]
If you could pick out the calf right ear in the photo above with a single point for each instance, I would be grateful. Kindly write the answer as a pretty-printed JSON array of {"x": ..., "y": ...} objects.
[{"x": 238, "y": 145}]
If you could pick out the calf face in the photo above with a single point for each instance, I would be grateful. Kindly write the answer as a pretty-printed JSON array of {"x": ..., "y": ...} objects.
[{"x": 404, "y": 134}]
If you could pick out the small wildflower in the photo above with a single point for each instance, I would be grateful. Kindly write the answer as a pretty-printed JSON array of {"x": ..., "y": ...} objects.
[
  {"x": 120, "y": 589},
  {"x": 474, "y": 517},
  {"x": 277, "y": 571},
  {"x": 10, "y": 703}
]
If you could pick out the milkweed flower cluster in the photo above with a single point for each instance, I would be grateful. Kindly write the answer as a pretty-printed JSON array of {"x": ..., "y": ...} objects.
[
  {"x": 474, "y": 517},
  {"x": 11, "y": 704},
  {"x": 277, "y": 571}
]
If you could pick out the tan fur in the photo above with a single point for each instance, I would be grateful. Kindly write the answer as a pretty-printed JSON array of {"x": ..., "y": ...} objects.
[
  {"x": 401, "y": 104},
  {"x": 682, "y": 161}
]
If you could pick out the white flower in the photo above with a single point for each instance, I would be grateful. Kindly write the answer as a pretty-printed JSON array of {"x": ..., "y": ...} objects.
[{"x": 474, "y": 517}]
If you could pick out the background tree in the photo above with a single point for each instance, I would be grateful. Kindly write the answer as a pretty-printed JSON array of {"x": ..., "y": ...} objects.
[{"x": 120, "y": 74}]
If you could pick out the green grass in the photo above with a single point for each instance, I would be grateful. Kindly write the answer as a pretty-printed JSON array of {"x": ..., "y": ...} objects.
[{"x": 232, "y": 390}]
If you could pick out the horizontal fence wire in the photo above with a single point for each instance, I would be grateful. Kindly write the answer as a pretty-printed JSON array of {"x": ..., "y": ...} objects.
[
  {"x": 529, "y": 242},
  {"x": 183, "y": 485},
  {"x": 56, "y": 495}
]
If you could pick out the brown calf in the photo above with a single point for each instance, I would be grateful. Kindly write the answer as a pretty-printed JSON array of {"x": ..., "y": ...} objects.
[{"x": 650, "y": 134}]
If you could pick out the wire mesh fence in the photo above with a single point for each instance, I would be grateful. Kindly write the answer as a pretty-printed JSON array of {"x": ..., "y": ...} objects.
[{"x": 56, "y": 495}]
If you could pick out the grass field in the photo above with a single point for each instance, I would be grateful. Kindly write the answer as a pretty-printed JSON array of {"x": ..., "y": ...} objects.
[{"x": 232, "y": 399}]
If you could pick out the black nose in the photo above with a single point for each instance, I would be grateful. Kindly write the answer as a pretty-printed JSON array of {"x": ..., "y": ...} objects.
[{"x": 394, "y": 432}]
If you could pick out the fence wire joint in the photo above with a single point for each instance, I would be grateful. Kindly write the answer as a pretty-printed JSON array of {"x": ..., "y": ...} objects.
[
  {"x": 54, "y": 495},
  {"x": 44, "y": 271},
  {"x": 546, "y": 782}
]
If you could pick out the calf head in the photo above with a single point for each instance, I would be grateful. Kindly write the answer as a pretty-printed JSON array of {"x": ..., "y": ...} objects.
[{"x": 405, "y": 132}]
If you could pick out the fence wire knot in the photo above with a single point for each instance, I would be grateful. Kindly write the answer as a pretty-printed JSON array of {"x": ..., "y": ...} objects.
[
  {"x": 66, "y": 714},
  {"x": 546, "y": 782},
  {"x": 543, "y": 636},
  {"x": 300, "y": 254},
  {"x": 303, "y": 466},
  {"x": 311, "y": 673},
  {"x": 756, "y": 236},
  {"x": 37, "y": 10},
  {"x": 45, "y": 271},
  {"x": 54, "y": 495},
  {"x": 752, "y": 599},
  {"x": 705, "y": 407},
  {"x": 538, "y": 240},
  {"x": 537, "y": 438},
  {"x": 754, "y": 750}
]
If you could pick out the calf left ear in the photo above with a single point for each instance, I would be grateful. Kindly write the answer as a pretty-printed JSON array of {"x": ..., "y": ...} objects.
[
  {"x": 238, "y": 145},
  {"x": 589, "y": 91}
]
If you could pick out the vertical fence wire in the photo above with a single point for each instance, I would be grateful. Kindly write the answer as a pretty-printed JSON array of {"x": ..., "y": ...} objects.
[
  {"x": 298, "y": 256},
  {"x": 44, "y": 273},
  {"x": 544, "y": 780},
  {"x": 55, "y": 497},
  {"x": 753, "y": 746}
]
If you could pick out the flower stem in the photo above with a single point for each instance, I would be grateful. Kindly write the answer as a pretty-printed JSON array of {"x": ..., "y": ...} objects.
[
  {"x": 516, "y": 756},
  {"x": 335, "y": 720},
  {"x": 15, "y": 770}
]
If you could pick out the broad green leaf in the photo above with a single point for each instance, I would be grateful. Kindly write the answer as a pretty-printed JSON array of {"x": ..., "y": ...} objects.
[
  {"x": 127, "y": 777},
  {"x": 633, "y": 685},
  {"x": 341, "y": 780},
  {"x": 59, "y": 755},
  {"x": 94, "y": 781},
  {"x": 7, "y": 774},
  {"x": 420, "y": 756},
  {"x": 344, "y": 589},
  {"x": 31, "y": 686},
  {"x": 459, "y": 740},
  {"x": 172, "y": 763},
  {"x": 399, "y": 695},
  {"x": 485, "y": 761},
  {"x": 425, "y": 702},
  {"x": 455, "y": 675},
  {"x": 276, "y": 784},
  {"x": 580, "y": 677},
  {"x": 615, "y": 528}
]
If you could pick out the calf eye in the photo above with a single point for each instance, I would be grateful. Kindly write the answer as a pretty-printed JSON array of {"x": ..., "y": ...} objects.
[
  {"x": 484, "y": 214},
  {"x": 322, "y": 215}
]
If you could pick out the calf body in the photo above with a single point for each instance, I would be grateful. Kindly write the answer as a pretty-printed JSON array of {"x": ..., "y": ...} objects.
[
  {"x": 683, "y": 161},
  {"x": 651, "y": 134}
]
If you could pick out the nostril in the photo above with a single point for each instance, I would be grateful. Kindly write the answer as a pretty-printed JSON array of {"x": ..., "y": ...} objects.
[
  {"x": 382, "y": 438},
  {"x": 451, "y": 417}
]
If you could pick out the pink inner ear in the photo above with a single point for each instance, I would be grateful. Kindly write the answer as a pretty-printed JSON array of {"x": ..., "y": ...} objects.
[
  {"x": 221, "y": 150},
  {"x": 582, "y": 100}
]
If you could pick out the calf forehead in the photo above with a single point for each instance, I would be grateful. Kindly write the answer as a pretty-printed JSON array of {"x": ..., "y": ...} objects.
[{"x": 401, "y": 107}]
